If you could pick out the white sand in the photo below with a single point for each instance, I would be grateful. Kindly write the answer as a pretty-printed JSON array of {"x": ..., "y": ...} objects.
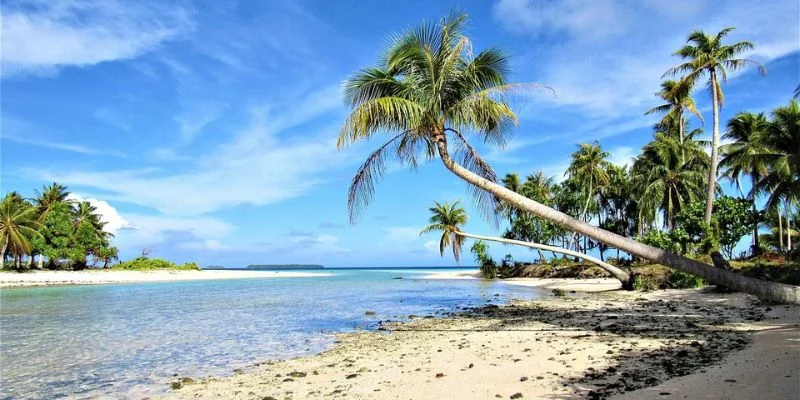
[
  {"x": 93, "y": 277},
  {"x": 454, "y": 275},
  {"x": 542, "y": 349},
  {"x": 568, "y": 284},
  {"x": 578, "y": 285}
]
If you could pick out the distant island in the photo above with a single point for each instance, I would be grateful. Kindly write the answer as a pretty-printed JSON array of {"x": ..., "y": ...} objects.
[{"x": 284, "y": 266}]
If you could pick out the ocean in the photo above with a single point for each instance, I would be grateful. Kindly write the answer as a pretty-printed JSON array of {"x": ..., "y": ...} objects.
[{"x": 130, "y": 340}]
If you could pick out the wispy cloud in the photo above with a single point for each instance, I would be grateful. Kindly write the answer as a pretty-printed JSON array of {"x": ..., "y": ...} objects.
[
  {"x": 604, "y": 55},
  {"x": 257, "y": 166},
  {"x": 42, "y": 36},
  {"x": 49, "y": 144}
]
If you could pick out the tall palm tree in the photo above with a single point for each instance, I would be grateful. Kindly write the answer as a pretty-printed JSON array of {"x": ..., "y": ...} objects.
[
  {"x": 589, "y": 169},
  {"x": 678, "y": 98},
  {"x": 707, "y": 55},
  {"x": 449, "y": 218},
  {"x": 665, "y": 180},
  {"x": 782, "y": 157},
  {"x": 744, "y": 156},
  {"x": 431, "y": 90},
  {"x": 17, "y": 226}
]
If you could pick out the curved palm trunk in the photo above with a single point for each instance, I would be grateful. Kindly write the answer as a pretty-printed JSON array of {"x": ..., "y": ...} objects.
[
  {"x": 765, "y": 290},
  {"x": 617, "y": 273},
  {"x": 712, "y": 171}
]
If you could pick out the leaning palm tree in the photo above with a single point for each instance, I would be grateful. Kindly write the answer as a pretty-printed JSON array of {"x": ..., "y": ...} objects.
[
  {"x": 706, "y": 54},
  {"x": 744, "y": 156},
  {"x": 17, "y": 226},
  {"x": 678, "y": 98},
  {"x": 431, "y": 91},
  {"x": 448, "y": 219}
]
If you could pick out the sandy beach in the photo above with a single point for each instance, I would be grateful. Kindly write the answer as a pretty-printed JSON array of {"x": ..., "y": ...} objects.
[
  {"x": 94, "y": 277},
  {"x": 597, "y": 346},
  {"x": 566, "y": 284}
]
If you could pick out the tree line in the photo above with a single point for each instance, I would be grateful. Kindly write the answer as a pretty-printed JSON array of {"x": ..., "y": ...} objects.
[
  {"x": 55, "y": 229},
  {"x": 660, "y": 197},
  {"x": 433, "y": 93}
]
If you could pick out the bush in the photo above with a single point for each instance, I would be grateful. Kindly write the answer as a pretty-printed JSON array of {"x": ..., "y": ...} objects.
[
  {"x": 682, "y": 280},
  {"x": 662, "y": 240},
  {"x": 144, "y": 263},
  {"x": 489, "y": 269},
  {"x": 645, "y": 283}
]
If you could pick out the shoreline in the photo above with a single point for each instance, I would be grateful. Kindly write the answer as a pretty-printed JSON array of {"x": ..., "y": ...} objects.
[
  {"x": 588, "y": 285},
  {"x": 596, "y": 346},
  {"x": 99, "y": 277}
]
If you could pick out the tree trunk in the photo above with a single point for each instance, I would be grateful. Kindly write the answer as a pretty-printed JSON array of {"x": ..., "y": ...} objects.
[
  {"x": 712, "y": 172},
  {"x": 780, "y": 230},
  {"x": 680, "y": 134},
  {"x": 756, "y": 246},
  {"x": 617, "y": 273},
  {"x": 765, "y": 290},
  {"x": 3, "y": 255}
]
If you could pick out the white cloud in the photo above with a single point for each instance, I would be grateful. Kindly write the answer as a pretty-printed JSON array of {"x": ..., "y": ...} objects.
[
  {"x": 108, "y": 214},
  {"x": 257, "y": 167},
  {"x": 41, "y": 36},
  {"x": 607, "y": 57},
  {"x": 623, "y": 155},
  {"x": 49, "y": 144},
  {"x": 401, "y": 234}
]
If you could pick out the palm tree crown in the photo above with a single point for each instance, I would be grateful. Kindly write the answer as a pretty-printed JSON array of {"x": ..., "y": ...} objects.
[
  {"x": 743, "y": 155},
  {"x": 447, "y": 218},
  {"x": 782, "y": 155},
  {"x": 17, "y": 225},
  {"x": 429, "y": 88},
  {"x": 678, "y": 98}
]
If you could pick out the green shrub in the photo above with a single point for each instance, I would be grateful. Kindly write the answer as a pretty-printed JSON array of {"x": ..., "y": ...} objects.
[
  {"x": 144, "y": 263},
  {"x": 644, "y": 283},
  {"x": 682, "y": 280},
  {"x": 489, "y": 269}
]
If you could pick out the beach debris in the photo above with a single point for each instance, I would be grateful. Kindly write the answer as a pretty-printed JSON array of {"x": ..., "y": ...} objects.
[
  {"x": 516, "y": 395},
  {"x": 351, "y": 376},
  {"x": 440, "y": 375},
  {"x": 297, "y": 374}
]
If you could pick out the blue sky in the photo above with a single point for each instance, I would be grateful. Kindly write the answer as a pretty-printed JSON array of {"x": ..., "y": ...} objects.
[{"x": 205, "y": 130}]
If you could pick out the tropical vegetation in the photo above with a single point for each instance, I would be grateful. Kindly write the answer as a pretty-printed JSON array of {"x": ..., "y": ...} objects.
[
  {"x": 434, "y": 93},
  {"x": 61, "y": 233}
]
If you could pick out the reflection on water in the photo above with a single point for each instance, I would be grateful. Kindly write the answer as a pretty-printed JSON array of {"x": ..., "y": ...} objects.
[{"x": 129, "y": 340}]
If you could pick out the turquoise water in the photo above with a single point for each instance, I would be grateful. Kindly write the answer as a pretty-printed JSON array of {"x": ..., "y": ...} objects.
[{"x": 128, "y": 340}]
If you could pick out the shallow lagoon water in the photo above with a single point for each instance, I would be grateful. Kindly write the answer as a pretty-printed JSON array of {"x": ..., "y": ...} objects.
[{"x": 121, "y": 341}]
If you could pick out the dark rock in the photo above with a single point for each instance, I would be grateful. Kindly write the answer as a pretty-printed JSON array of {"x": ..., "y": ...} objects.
[
  {"x": 351, "y": 376},
  {"x": 297, "y": 374},
  {"x": 369, "y": 312},
  {"x": 516, "y": 396},
  {"x": 440, "y": 375}
]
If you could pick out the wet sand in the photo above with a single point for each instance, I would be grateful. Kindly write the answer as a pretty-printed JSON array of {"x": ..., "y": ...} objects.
[{"x": 594, "y": 346}]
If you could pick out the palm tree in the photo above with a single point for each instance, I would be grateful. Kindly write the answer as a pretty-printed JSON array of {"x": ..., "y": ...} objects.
[
  {"x": 744, "y": 156},
  {"x": 678, "y": 97},
  {"x": 430, "y": 90},
  {"x": 49, "y": 196},
  {"x": 665, "y": 180},
  {"x": 17, "y": 226},
  {"x": 782, "y": 157},
  {"x": 705, "y": 54},
  {"x": 448, "y": 218},
  {"x": 589, "y": 168}
]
